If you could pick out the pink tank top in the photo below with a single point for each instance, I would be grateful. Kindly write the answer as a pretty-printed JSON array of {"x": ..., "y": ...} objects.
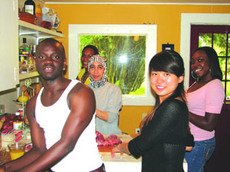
[{"x": 208, "y": 98}]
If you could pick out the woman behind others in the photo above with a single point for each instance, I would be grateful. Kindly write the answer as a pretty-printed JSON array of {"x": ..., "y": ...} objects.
[
  {"x": 205, "y": 100},
  {"x": 162, "y": 140},
  {"x": 108, "y": 97},
  {"x": 87, "y": 52}
]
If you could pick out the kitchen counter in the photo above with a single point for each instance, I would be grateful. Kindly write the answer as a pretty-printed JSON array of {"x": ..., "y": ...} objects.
[
  {"x": 123, "y": 162},
  {"x": 119, "y": 162}
]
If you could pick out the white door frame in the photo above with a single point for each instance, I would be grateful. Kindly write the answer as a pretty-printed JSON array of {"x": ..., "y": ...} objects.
[{"x": 187, "y": 19}]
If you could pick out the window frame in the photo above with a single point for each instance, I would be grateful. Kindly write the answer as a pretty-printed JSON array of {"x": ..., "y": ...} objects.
[{"x": 150, "y": 31}]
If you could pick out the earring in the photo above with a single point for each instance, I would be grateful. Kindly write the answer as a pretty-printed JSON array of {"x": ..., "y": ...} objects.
[
  {"x": 64, "y": 67},
  {"x": 194, "y": 76}
]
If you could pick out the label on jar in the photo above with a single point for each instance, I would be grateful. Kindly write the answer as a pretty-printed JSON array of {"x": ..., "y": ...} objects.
[
  {"x": 29, "y": 9},
  {"x": 17, "y": 125}
]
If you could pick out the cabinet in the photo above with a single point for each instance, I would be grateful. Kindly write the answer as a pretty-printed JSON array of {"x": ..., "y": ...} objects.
[
  {"x": 9, "y": 75},
  {"x": 10, "y": 32}
]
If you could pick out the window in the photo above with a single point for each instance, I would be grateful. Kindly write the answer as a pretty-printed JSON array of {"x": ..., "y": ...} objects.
[
  {"x": 127, "y": 49},
  {"x": 125, "y": 56}
]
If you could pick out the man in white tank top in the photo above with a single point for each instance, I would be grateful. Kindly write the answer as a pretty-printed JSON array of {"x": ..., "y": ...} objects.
[{"x": 62, "y": 119}]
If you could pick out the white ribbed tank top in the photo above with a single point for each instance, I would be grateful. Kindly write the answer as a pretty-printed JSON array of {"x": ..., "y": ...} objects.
[{"x": 85, "y": 157}]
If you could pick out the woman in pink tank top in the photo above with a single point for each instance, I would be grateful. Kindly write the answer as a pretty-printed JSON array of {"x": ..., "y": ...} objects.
[{"x": 205, "y": 99}]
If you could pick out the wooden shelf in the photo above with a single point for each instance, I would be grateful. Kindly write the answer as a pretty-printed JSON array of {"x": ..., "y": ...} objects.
[
  {"x": 29, "y": 29},
  {"x": 23, "y": 76},
  {"x": 26, "y": 28}
]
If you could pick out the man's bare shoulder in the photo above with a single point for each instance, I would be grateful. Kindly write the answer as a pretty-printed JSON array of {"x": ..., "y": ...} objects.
[
  {"x": 81, "y": 90},
  {"x": 79, "y": 87},
  {"x": 81, "y": 95}
]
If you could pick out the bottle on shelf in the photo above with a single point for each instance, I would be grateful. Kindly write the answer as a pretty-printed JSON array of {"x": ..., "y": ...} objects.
[
  {"x": 38, "y": 13},
  {"x": 33, "y": 49},
  {"x": 20, "y": 110},
  {"x": 31, "y": 63},
  {"x": 17, "y": 121},
  {"x": 24, "y": 52},
  {"x": 23, "y": 62},
  {"x": 27, "y": 51},
  {"x": 29, "y": 6},
  {"x": 24, "y": 117},
  {"x": 23, "y": 46}
]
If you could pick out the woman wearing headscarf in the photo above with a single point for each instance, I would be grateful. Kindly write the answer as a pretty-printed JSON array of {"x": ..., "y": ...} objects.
[{"x": 108, "y": 97}]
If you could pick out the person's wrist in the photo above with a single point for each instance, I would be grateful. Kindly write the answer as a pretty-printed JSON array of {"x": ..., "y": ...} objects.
[{"x": 121, "y": 147}]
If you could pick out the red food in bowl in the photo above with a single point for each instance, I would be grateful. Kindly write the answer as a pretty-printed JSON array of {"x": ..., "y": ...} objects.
[{"x": 27, "y": 17}]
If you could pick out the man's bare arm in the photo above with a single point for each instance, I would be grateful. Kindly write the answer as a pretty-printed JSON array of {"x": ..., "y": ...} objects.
[{"x": 82, "y": 105}]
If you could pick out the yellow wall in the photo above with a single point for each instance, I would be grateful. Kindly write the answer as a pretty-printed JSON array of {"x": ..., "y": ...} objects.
[{"x": 166, "y": 17}]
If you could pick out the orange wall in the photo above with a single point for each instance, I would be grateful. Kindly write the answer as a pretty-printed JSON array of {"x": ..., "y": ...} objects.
[{"x": 166, "y": 17}]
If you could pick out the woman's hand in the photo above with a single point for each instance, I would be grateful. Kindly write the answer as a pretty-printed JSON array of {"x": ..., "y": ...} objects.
[
  {"x": 121, "y": 148},
  {"x": 102, "y": 115},
  {"x": 115, "y": 150},
  {"x": 188, "y": 148}
]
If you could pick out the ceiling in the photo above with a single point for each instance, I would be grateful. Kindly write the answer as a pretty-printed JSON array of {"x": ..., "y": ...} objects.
[{"x": 142, "y": 1}]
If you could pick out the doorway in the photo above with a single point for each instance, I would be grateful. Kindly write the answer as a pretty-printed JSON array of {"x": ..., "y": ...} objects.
[
  {"x": 217, "y": 36},
  {"x": 187, "y": 19}
]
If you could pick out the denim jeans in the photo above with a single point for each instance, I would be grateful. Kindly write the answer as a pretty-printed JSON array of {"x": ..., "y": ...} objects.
[{"x": 200, "y": 153}]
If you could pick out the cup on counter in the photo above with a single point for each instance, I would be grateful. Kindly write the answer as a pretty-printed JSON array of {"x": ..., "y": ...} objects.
[
  {"x": 16, "y": 150},
  {"x": 2, "y": 155}
]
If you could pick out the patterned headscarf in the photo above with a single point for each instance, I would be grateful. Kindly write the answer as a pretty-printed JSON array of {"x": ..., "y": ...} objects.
[{"x": 100, "y": 59}]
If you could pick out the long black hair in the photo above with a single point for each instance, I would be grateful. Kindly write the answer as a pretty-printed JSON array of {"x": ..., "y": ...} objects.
[
  {"x": 95, "y": 50},
  {"x": 171, "y": 62}
]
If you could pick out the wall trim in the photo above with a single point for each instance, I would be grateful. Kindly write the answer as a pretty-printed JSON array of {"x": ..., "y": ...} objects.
[{"x": 134, "y": 3}]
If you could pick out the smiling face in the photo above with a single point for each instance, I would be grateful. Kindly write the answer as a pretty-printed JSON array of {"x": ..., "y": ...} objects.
[
  {"x": 96, "y": 71},
  {"x": 87, "y": 53},
  {"x": 200, "y": 65},
  {"x": 164, "y": 83},
  {"x": 50, "y": 60}
]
